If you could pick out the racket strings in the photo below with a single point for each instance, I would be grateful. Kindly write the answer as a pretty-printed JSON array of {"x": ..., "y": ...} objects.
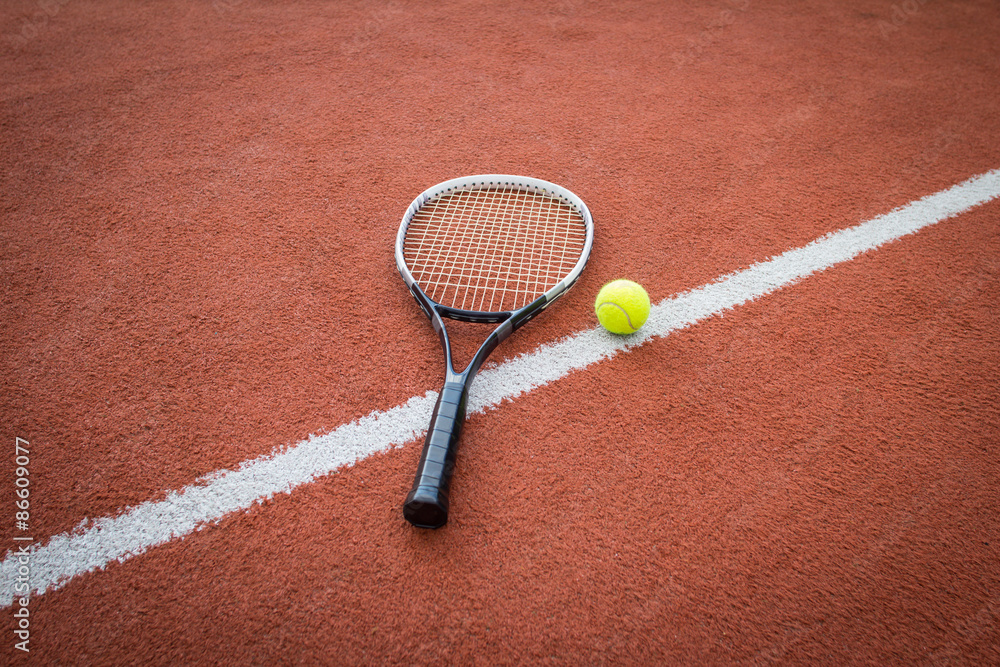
[{"x": 492, "y": 249}]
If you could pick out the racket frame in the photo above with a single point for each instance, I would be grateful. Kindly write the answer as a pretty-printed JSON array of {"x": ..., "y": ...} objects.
[{"x": 427, "y": 503}]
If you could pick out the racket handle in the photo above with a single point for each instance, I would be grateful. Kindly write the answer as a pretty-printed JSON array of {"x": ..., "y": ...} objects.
[{"x": 426, "y": 505}]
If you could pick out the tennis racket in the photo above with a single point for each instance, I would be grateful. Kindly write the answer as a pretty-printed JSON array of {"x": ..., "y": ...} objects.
[{"x": 489, "y": 248}]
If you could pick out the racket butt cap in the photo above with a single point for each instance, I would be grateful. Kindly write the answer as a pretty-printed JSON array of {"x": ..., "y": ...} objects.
[{"x": 426, "y": 507}]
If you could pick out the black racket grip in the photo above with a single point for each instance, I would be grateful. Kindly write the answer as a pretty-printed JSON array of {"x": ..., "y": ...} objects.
[{"x": 426, "y": 505}]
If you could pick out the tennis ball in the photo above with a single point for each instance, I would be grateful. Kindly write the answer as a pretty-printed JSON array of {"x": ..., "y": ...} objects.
[{"x": 622, "y": 306}]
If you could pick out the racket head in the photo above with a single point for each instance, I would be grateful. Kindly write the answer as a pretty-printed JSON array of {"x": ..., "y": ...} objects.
[{"x": 479, "y": 248}]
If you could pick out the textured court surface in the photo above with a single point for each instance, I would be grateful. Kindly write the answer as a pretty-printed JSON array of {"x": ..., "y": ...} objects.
[{"x": 221, "y": 380}]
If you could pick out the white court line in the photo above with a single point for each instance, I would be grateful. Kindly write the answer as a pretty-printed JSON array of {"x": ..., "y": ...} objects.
[{"x": 95, "y": 544}]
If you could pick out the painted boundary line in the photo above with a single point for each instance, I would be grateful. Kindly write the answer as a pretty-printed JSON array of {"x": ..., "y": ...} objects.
[{"x": 96, "y": 543}]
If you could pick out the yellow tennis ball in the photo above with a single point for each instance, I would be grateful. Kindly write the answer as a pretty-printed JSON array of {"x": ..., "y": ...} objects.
[{"x": 622, "y": 306}]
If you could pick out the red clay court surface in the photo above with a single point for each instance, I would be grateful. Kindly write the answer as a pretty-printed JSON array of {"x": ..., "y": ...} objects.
[{"x": 199, "y": 202}]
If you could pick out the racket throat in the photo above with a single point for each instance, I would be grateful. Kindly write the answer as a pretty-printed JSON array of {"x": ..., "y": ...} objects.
[{"x": 477, "y": 359}]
